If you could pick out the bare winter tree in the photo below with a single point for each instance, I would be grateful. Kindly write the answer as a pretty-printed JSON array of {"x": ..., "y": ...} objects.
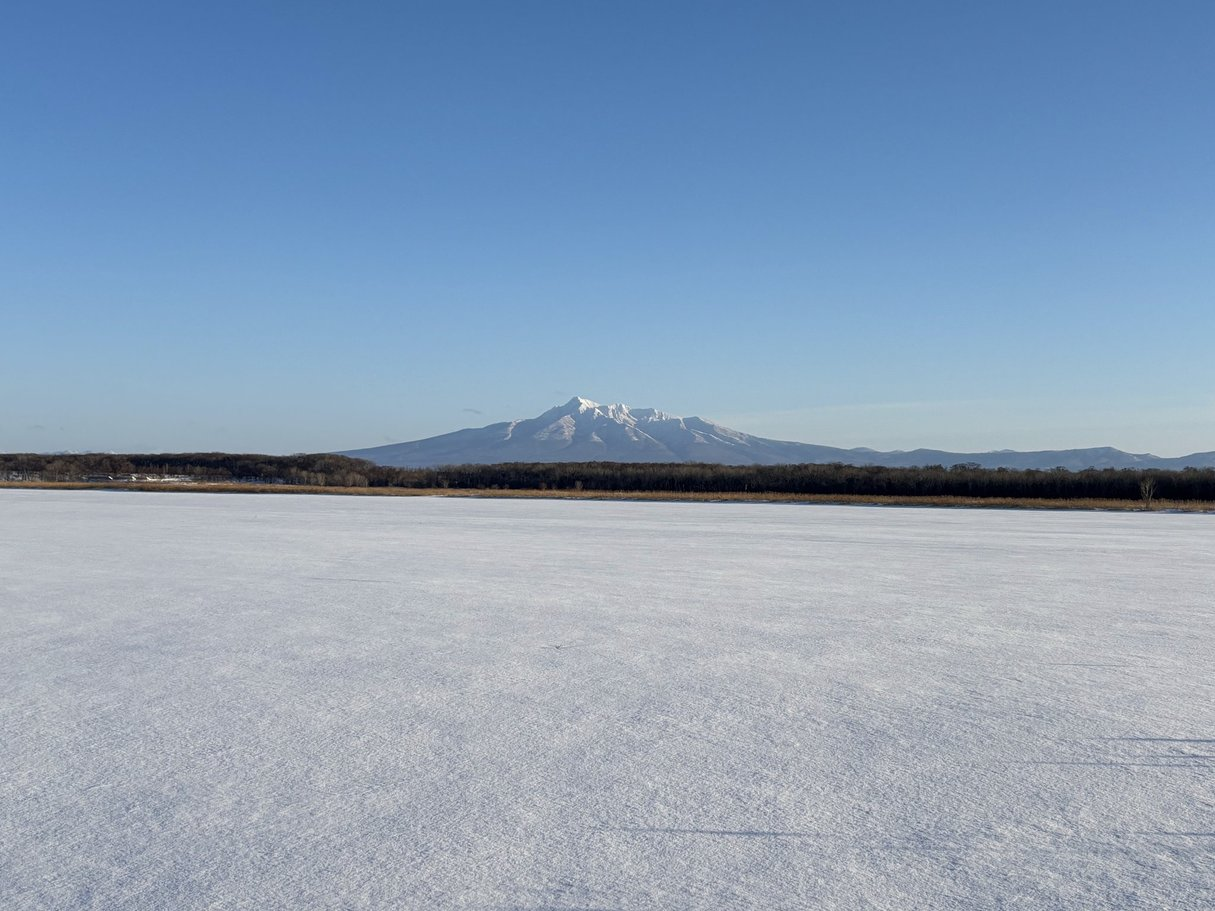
[{"x": 1147, "y": 491}]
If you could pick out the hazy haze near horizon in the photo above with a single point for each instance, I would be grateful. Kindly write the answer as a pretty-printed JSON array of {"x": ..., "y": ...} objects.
[{"x": 298, "y": 227}]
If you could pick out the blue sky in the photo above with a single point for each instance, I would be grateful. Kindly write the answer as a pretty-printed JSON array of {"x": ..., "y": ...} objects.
[{"x": 286, "y": 227}]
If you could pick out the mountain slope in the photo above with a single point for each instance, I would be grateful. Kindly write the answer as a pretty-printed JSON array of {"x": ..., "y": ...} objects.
[{"x": 585, "y": 431}]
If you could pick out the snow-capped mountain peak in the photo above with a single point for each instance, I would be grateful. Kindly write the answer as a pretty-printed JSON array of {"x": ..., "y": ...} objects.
[
  {"x": 580, "y": 404},
  {"x": 618, "y": 411}
]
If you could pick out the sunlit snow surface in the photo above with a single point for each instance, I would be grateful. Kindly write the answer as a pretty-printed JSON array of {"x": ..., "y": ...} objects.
[{"x": 287, "y": 702}]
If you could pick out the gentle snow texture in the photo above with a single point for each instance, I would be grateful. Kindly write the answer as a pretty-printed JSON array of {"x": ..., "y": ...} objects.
[
  {"x": 585, "y": 431},
  {"x": 288, "y": 702}
]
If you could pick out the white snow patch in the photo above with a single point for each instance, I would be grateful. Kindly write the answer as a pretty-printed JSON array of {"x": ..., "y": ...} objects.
[{"x": 282, "y": 702}]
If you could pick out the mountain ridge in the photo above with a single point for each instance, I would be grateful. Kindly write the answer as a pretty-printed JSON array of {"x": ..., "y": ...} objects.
[{"x": 583, "y": 430}]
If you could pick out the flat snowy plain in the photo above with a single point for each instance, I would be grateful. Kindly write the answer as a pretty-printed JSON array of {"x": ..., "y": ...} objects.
[{"x": 290, "y": 702}]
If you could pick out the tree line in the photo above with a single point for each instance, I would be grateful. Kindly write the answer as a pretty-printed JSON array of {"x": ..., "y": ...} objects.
[
  {"x": 325, "y": 470},
  {"x": 318, "y": 470}
]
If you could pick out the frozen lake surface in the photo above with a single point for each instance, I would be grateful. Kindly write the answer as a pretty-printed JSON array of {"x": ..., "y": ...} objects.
[{"x": 290, "y": 702}]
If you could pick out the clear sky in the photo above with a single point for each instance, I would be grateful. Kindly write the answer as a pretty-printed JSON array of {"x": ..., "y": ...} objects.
[{"x": 297, "y": 226}]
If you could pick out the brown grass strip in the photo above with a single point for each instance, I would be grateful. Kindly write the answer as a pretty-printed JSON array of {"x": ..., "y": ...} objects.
[{"x": 645, "y": 495}]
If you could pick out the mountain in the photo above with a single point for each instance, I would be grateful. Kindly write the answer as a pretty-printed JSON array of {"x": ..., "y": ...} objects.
[{"x": 586, "y": 431}]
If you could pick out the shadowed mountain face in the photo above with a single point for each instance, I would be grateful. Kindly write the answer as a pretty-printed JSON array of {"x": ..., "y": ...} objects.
[{"x": 585, "y": 431}]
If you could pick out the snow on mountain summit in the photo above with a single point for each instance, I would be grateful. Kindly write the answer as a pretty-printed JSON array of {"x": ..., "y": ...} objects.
[{"x": 619, "y": 412}]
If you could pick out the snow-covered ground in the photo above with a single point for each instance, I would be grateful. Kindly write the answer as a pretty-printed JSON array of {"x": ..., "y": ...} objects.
[{"x": 287, "y": 702}]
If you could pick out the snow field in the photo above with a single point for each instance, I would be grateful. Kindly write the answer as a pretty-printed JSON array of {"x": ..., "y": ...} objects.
[{"x": 285, "y": 702}]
